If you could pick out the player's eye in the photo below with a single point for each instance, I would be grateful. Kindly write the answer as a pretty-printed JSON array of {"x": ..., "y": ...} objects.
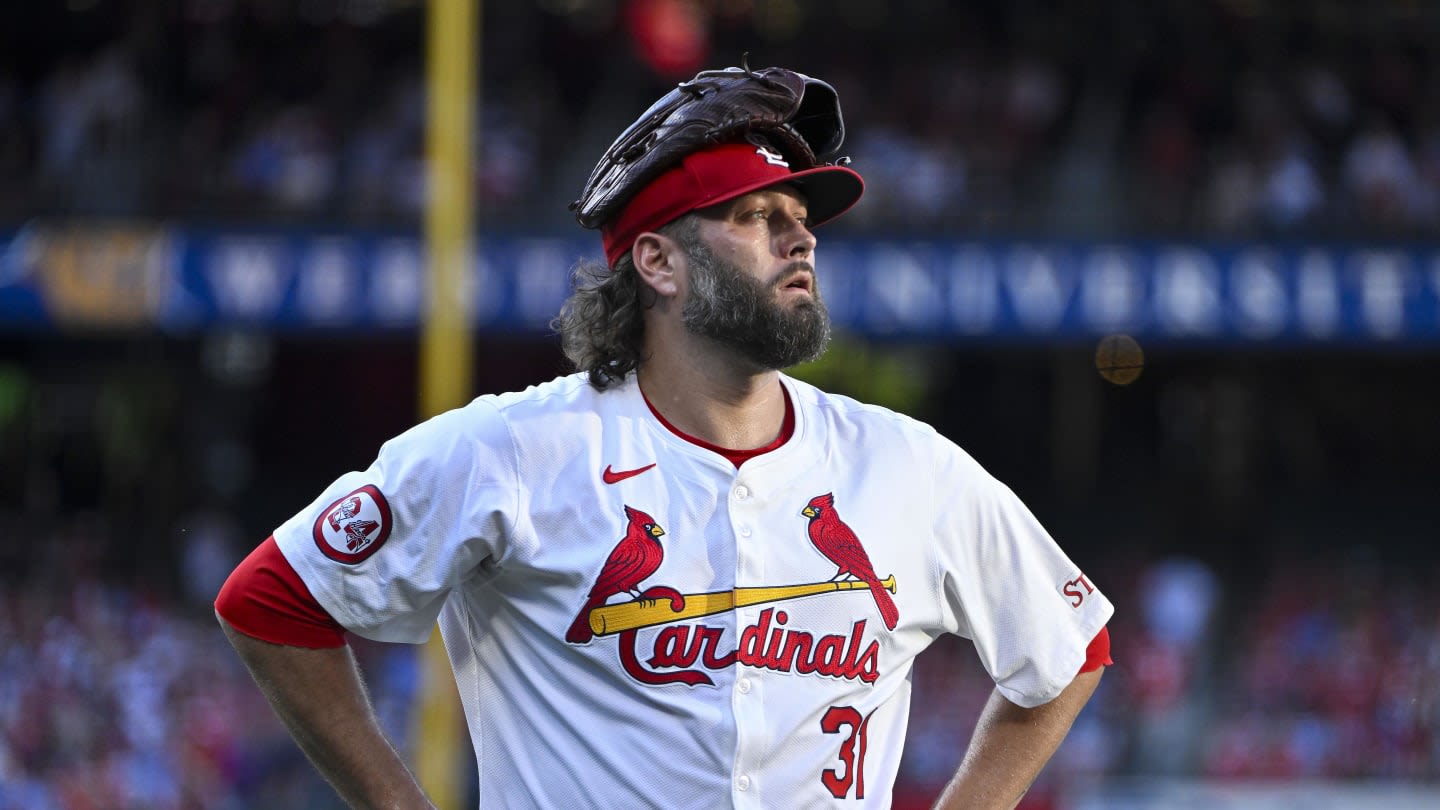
[{"x": 801, "y": 216}]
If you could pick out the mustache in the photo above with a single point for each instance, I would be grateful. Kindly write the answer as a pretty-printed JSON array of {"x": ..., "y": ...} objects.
[{"x": 791, "y": 270}]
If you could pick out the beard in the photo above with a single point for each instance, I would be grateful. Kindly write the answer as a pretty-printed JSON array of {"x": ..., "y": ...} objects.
[{"x": 744, "y": 314}]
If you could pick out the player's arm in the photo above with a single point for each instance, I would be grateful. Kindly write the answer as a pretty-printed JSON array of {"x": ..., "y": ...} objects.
[
  {"x": 1011, "y": 744},
  {"x": 309, "y": 675},
  {"x": 321, "y": 699}
]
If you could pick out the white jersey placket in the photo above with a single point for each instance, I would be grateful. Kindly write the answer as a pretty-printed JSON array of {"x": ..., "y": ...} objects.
[{"x": 752, "y": 738}]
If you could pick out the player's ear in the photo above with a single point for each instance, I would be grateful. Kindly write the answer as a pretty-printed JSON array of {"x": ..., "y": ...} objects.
[{"x": 657, "y": 260}]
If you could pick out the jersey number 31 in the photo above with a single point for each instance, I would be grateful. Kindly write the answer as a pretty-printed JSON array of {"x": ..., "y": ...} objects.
[{"x": 852, "y": 751}]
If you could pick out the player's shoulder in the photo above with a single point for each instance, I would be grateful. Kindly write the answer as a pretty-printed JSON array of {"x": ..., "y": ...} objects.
[
  {"x": 876, "y": 429},
  {"x": 568, "y": 392},
  {"x": 489, "y": 416},
  {"x": 841, "y": 409},
  {"x": 561, "y": 411}
]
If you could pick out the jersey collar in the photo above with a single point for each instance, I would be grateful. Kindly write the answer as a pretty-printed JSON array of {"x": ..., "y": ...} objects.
[{"x": 736, "y": 457}]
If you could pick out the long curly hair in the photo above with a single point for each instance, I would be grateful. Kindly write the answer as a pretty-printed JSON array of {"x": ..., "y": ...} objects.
[{"x": 602, "y": 323}]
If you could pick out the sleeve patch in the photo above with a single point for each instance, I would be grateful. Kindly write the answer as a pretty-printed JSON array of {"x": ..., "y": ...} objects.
[{"x": 354, "y": 526}]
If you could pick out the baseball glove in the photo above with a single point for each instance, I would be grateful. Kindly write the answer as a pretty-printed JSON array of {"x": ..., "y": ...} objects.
[{"x": 790, "y": 112}]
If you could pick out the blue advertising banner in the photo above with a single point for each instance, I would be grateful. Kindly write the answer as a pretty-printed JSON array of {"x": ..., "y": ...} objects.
[{"x": 178, "y": 279}]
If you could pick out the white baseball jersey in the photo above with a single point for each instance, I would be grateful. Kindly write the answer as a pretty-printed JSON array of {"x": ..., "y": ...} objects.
[{"x": 635, "y": 622}]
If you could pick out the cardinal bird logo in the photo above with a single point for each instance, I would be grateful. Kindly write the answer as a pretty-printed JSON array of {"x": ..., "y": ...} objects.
[
  {"x": 839, "y": 544},
  {"x": 635, "y": 558}
]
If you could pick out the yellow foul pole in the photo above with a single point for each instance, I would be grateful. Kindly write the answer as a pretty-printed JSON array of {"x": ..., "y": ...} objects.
[{"x": 451, "y": 45}]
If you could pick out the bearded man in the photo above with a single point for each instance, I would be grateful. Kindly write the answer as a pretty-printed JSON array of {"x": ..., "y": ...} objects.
[{"x": 753, "y": 652}]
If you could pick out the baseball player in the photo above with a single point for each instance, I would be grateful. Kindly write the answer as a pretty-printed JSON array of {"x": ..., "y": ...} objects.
[{"x": 680, "y": 578}]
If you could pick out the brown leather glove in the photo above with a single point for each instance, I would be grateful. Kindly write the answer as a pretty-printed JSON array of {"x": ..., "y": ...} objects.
[{"x": 787, "y": 111}]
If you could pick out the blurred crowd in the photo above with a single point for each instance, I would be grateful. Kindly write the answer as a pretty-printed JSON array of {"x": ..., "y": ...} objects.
[
  {"x": 1225, "y": 118},
  {"x": 114, "y": 696}
]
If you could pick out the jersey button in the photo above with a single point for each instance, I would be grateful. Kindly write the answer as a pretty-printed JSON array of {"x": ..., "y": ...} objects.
[
  {"x": 742, "y": 492},
  {"x": 743, "y": 685},
  {"x": 743, "y": 782},
  {"x": 744, "y": 531}
]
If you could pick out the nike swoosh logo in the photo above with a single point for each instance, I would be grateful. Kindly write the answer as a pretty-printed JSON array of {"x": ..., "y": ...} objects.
[{"x": 612, "y": 477}]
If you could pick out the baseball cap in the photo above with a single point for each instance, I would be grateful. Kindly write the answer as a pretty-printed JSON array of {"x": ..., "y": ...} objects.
[{"x": 720, "y": 173}]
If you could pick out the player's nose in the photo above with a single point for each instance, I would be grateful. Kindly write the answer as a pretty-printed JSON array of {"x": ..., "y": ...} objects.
[{"x": 797, "y": 240}]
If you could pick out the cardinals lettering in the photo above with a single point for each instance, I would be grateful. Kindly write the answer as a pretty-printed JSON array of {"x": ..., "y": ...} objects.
[{"x": 766, "y": 644}]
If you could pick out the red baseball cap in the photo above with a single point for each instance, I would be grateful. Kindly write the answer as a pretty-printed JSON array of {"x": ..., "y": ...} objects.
[{"x": 720, "y": 173}]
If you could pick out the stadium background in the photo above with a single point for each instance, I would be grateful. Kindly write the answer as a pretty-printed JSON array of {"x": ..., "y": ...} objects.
[{"x": 210, "y": 213}]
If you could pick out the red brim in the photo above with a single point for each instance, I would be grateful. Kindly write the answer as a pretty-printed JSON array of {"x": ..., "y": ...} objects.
[
  {"x": 829, "y": 191},
  {"x": 719, "y": 174}
]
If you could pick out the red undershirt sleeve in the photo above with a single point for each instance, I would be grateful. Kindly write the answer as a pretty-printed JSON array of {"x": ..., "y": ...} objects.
[
  {"x": 266, "y": 599},
  {"x": 1098, "y": 653}
]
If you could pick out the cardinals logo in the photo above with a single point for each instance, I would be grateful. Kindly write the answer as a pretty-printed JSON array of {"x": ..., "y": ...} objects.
[
  {"x": 353, "y": 527},
  {"x": 838, "y": 543},
  {"x": 681, "y": 652}
]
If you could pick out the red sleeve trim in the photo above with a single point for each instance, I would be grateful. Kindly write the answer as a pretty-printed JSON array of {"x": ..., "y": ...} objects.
[
  {"x": 265, "y": 598},
  {"x": 1098, "y": 653}
]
